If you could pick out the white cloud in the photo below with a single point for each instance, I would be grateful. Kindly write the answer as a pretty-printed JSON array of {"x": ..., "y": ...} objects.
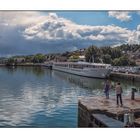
[
  {"x": 138, "y": 27},
  {"x": 120, "y": 15},
  {"x": 55, "y": 28},
  {"x": 33, "y": 32},
  {"x": 134, "y": 37},
  {"x": 20, "y": 18}
]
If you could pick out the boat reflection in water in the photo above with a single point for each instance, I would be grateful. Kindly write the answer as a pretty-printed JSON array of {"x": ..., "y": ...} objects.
[
  {"x": 95, "y": 86},
  {"x": 84, "y": 82},
  {"x": 92, "y": 86}
]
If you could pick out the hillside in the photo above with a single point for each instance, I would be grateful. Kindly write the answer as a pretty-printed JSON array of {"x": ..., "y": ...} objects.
[{"x": 124, "y": 55}]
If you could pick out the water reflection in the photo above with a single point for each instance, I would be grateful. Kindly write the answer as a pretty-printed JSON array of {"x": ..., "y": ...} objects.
[
  {"x": 26, "y": 95},
  {"x": 96, "y": 85},
  {"x": 37, "y": 71},
  {"x": 15, "y": 110},
  {"x": 37, "y": 97}
]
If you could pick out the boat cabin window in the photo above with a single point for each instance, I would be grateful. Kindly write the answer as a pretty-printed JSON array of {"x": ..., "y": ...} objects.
[{"x": 79, "y": 66}]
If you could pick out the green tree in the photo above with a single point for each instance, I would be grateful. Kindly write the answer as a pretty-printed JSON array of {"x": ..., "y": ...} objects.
[
  {"x": 106, "y": 50},
  {"x": 39, "y": 58},
  {"x": 107, "y": 59},
  {"x": 28, "y": 58},
  {"x": 116, "y": 53},
  {"x": 10, "y": 61},
  {"x": 92, "y": 54},
  {"x": 123, "y": 61}
]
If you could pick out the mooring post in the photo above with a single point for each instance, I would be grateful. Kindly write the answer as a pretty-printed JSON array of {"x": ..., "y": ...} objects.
[{"x": 133, "y": 93}]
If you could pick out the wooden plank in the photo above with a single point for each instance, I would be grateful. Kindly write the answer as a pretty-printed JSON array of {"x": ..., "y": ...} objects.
[{"x": 107, "y": 121}]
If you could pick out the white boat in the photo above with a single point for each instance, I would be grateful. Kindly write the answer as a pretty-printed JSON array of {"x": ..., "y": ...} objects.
[{"x": 94, "y": 70}]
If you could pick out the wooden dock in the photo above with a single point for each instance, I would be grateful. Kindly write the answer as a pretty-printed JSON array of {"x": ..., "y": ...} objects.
[{"x": 89, "y": 107}]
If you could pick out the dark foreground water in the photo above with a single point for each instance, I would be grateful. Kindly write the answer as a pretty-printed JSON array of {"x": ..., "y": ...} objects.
[{"x": 38, "y": 97}]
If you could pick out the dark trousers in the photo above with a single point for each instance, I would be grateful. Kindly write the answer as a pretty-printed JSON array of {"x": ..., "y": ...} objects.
[
  {"x": 107, "y": 94},
  {"x": 119, "y": 97}
]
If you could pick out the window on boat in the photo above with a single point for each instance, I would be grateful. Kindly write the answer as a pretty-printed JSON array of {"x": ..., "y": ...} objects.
[{"x": 78, "y": 66}]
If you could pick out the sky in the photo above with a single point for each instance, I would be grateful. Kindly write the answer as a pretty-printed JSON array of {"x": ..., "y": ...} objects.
[{"x": 31, "y": 32}]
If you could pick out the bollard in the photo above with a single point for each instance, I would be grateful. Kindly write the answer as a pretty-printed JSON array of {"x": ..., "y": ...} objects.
[
  {"x": 132, "y": 117},
  {"x": 126, "y": 120},
  {"x": 133, "y": 93},
  {"x": 129, "y": 118}
]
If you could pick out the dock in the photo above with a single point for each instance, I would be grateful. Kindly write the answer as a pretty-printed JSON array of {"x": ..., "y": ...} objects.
[{"x": 101, "y": 112}]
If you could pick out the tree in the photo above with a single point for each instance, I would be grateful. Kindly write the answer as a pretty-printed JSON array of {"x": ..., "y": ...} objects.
[
  {"x": 106, "y": 50},
  {"x": 107, "y": 59},
  {"x": 116, "y": 62},
  {"x": 28, "y": 58},
  {"x": 39, "y": 58},
  {"x": 10, "y": 61},
  {"x": 123, "y": 61},
  {"x": 116, "y": 53},
  {"x": 92, "y": 54}
]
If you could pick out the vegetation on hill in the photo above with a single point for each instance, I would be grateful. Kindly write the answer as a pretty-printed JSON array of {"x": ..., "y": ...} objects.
[{"x": 123, "y": 55}]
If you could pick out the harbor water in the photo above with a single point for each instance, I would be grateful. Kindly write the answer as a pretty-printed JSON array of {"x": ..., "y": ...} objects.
[{"x": 39, "y": 97}]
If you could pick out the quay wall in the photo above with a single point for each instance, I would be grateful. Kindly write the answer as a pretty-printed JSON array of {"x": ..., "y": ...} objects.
[
  {"x": 89, "y": 106},
  {"x": 84, "y": 119},
  {"x": 125, "y": 76}
]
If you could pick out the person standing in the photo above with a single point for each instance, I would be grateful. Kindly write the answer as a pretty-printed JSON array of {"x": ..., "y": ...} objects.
[
  {"x": 106, "y": 89},
  {"x": 119, "y": 92}
]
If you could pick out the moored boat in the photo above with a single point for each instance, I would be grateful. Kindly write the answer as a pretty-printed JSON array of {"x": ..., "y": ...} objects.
[{"x": 93, "y": 70}]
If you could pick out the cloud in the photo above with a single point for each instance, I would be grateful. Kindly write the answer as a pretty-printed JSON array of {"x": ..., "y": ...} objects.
[
  {"x": 134, "y": 37},
  {"x": 120, "y": 15},
  {"x": 38, "y": 32},
  {"x": 56, "y": 29},
  {"x": 20, "y": 18}
]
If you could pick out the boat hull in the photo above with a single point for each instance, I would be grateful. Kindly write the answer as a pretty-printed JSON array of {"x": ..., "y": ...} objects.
[{"x": 93, "y": 73}]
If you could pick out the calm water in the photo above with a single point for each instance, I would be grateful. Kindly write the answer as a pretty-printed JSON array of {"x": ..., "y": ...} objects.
[{"x": 37, "y": 97}]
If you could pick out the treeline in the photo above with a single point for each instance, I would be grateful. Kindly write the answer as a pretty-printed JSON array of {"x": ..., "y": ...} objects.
[
  {"x": 123, "y": 55},
  {"x": 34, "y": 59},
  {"x": 38, "y": 58},
  {"x": 117, "y": 56}
]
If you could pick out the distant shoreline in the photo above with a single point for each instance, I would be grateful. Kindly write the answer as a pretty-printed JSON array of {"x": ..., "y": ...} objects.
[{"x": 27, "y": 64}]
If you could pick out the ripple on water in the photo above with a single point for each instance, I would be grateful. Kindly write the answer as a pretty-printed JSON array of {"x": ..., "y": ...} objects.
[{"x": 31, "y": 97}]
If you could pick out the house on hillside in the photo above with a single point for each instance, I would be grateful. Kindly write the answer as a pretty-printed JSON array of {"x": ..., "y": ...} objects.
[{"x": 82, "y": 58}]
